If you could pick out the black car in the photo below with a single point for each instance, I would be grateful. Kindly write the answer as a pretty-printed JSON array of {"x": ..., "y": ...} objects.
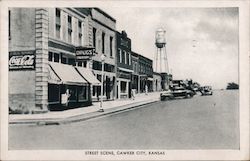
[
  {"x": 206, "y": 90},
  {"x": 177, "y": 92}
]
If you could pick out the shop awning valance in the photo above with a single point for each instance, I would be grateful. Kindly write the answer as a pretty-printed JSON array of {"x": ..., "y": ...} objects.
[
  {"x": 66, "y": 73},
  {"x": 89, "y": 76},
  {"x": 150, "y": 79}
]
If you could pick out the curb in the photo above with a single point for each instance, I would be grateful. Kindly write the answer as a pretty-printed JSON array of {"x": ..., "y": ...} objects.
[{"x": 81, "y": 117}]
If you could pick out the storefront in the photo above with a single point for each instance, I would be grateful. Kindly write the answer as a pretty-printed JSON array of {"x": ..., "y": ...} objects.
[
  {"x": 67, "y": 88},
  {"x": 124, "y": 85}
]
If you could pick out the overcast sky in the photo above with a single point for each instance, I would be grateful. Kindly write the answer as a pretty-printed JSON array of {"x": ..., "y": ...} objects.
[{"x": 202, "y": 43}]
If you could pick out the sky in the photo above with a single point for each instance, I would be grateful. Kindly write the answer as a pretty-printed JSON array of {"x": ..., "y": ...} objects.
[{"x": 202, "y": 43}]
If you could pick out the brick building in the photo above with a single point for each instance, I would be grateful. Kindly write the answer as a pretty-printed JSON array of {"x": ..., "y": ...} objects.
[
  {"x": 124, "y": 66},
  {"x": 145, "y": 74}
]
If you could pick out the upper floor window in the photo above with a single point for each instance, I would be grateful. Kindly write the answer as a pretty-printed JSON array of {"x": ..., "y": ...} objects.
[
  {"x": 128, "y": 58},
  {"x": 120, "y": 55},
  {"x": 58, "y": 23},
  {"x": 69, "y": 22},
  {"x": 94, "y": 37},
  {"x": 124, "y": 57},
  {"x": 111, "y": 46},
  {"x": 69, "y": 29},
  {"x": 103, "y": 43},
  {"x": 80, "y": 32},
  {"x": 9, "y": 24},
  {"x": 58, "y": 16}
]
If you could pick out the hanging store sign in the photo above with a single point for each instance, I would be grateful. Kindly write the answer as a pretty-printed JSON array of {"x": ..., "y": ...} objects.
[
  {"x": 22, "y": 60},
  {"x": 83, "y": 53}
]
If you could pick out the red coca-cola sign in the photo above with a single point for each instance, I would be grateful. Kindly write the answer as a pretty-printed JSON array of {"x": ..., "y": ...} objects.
[{"x": 22, "y": 60}]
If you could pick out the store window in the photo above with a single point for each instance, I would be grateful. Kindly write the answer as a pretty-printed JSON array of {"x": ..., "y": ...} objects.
[
  {"x": 72, "y": 93},
  {"x": 53, "y": 94},
  {"x": 123, "y": 87},
  {"x": 82, "y": 93}
]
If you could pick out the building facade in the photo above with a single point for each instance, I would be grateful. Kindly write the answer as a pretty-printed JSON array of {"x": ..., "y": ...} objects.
[
  {"x": 157, "y": 86},
  {"x": 104, "y": 41},
  {"x": 145, "y": 74},
  {"x": 135, "y": 75},
  {"x": 124, "y": 65},
  {"x": 51, "y": 56}
]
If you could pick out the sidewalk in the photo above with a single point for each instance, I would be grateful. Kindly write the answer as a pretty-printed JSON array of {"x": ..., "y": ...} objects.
[{"x": 85, "y": 113}]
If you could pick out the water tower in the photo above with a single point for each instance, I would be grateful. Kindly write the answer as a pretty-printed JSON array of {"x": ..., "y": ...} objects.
[{"x": 160, "y": 57}]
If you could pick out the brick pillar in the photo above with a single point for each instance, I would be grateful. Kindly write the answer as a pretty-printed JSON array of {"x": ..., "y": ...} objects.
[{"x": 41, "y": 25}]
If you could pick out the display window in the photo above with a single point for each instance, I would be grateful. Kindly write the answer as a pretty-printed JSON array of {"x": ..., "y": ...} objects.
[
  {"x": 53, "y": 94},
  {"x": 72, "y": 93},
  {"x": 82, "y": 93}
]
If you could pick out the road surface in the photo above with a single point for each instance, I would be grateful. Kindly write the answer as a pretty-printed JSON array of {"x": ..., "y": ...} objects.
[{"x": 202, "y": 122}]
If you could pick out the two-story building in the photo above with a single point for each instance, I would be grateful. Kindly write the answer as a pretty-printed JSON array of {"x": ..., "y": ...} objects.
[
  {"x": 135, "y": 75},
  {"x": 124, "y": 65},
  {"x": 145, "y": 74},
  {"x": 104, "y": 41},
  {"x": 51, "y": 55}
]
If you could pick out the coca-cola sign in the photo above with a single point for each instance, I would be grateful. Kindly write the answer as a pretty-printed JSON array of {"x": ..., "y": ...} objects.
[{"x": 22, "y": 60}]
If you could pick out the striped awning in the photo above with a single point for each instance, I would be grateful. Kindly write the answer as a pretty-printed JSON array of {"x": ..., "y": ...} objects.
[
  {"x": 88, "y": 75},
  {"x": 65, "y": 74}
]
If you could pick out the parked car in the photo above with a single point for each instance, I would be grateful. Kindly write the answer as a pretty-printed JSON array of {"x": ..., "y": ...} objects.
[
  {"x": 206, "y": 90},
  {"x": 176, "y": 92}
]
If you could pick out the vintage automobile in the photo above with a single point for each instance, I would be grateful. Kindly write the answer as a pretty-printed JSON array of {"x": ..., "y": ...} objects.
[
  {"x": 176, "y": 92},
  {"x": 206, "y": 90}
]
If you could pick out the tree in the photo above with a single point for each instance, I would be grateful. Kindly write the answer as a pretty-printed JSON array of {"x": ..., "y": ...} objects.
[{"x": 232, "y": 85}]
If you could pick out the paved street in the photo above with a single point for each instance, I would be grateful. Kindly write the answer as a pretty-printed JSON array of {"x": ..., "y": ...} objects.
[{"x": 203, "y": 122}]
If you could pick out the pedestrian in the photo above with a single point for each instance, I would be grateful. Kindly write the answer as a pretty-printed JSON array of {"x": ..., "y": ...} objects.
[
  {"x": 67, "y": 97},
  {"x": 146, "y": 90},
  {"x": 133, "y": 94}
]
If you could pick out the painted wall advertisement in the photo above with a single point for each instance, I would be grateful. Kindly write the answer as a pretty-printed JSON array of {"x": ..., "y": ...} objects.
[{"x": 21, "y": 60}]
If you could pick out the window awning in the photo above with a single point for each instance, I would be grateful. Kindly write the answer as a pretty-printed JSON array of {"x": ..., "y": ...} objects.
[
  {"x": 150, "y": 79},
  {"x": 125, "y": 70},
  {"x": 89, "y": 76},
  {"x": 66, "y": 73}
]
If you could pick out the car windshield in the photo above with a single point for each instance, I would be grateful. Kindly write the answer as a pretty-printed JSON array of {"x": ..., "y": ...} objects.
[{"x": 178, "y": 88}]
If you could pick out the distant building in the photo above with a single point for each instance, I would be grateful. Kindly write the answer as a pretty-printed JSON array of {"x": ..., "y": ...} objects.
[
  {"x": 135, "y": 75},
  {"x": 157, "y": 80},
  {"x": 124, "y": 65},
  {"x": 145, "y": 74}
]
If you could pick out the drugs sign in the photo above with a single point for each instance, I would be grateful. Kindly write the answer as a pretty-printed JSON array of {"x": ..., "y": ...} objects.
[
  {"x": 84, "y": 53},
  {"x": 21, "y": 60}
]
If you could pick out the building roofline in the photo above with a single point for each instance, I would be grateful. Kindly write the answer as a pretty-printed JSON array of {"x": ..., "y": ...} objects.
[{"x": 104, "y": 13}]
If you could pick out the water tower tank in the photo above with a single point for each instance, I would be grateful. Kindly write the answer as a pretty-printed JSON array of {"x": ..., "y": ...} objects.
[{"x": 160, "y": 40}]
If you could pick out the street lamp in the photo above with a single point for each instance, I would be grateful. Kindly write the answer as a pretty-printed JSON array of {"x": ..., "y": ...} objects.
[{"x": 102, "y": 59}]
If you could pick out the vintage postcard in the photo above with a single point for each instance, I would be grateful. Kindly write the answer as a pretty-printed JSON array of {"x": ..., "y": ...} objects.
[{"x": 124, "y": 80}]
